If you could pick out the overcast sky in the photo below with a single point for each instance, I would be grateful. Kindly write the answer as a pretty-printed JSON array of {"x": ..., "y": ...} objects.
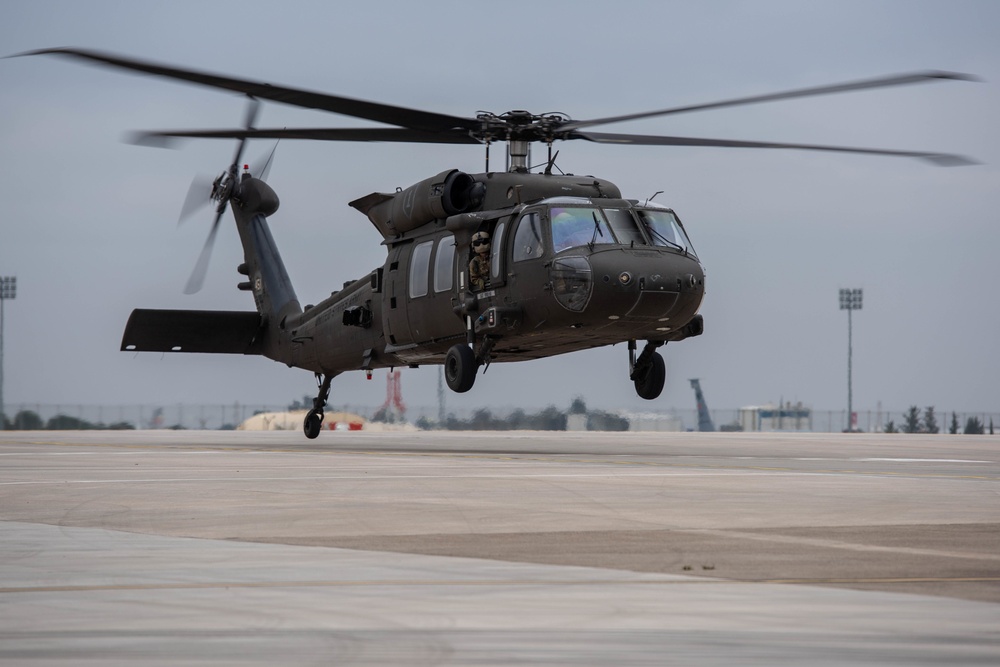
[{"x": 89, "y": 223}]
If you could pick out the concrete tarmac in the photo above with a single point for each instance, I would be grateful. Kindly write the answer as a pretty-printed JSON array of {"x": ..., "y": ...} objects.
[{"x": 499, "y": 549}]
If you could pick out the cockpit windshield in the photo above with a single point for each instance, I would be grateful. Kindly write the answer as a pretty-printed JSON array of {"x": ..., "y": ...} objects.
[
  {"x": 573, "y": 226},
  {"x": 664, "y": 229},
  {"x": 624, "y": 227}
]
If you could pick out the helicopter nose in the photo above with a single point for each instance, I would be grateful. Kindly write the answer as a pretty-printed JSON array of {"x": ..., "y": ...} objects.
[{"x": 646, "y": 286}]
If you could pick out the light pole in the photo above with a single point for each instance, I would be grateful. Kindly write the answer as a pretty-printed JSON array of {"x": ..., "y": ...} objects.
[
  {"x": 8, "y": 290},
  {"x": 850, "y": 300}
]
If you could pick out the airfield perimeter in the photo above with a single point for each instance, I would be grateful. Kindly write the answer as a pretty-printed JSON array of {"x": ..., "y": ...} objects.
[{"x": 483, "y": 548}]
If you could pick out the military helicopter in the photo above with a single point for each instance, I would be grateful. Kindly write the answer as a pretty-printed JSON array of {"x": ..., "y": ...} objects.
[{"x": 485, "y": 267}]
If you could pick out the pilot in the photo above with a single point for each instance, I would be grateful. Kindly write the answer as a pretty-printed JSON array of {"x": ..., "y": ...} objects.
[{"x": 479, "y": 266}]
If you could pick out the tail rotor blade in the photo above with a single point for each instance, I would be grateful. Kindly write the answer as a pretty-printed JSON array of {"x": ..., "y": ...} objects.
[
  {"x": 198, "y": 195},
  {"x": 253, "y": 108},
  {"x": 197, "y": 278},
  {"x": 225, "y": 184},
  {"x": 235, "y": 168}
]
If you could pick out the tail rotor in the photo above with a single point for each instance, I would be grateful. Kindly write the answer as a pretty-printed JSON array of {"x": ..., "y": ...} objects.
[{"x": 220, "y": 191}]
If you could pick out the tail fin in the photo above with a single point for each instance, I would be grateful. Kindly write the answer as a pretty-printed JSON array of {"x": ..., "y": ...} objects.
[
  {"x": 223, "y": 332},
  {"x": 268, "y": 280},
  {"x": 704, "y": 418}
]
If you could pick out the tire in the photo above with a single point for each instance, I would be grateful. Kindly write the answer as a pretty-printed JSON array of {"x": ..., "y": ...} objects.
[
  {"x": 649, "y": 383},
  {"x": 460, "y": 368},
  {"x": 312, "y": 424}
]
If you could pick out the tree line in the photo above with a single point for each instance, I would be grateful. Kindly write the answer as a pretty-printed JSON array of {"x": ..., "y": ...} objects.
[
  {"x": 916, "y": 422},
  {"x": 549, "y": 419},
  {"x": 28, "y": 420}
]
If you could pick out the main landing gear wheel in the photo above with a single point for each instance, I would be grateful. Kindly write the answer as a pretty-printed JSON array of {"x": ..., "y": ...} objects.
[
  {"x": 649, "y": 380},
  {"x": 313, "y": 424},
  {"x": 460, "y": 368}
]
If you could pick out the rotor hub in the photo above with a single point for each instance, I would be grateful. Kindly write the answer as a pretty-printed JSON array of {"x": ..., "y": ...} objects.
[{"x": 519, "y": 125}]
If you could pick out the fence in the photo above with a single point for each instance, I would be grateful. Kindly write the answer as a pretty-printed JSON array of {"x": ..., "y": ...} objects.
[
  {"x": 228, "y": 416},
  {"x": 211, "y": 417}
]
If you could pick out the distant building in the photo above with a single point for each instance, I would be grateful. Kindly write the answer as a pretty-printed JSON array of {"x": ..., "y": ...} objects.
[
  {"x": 776, "y": 417},
  {"x": 651, "y": 421},
  {"x": 576, "y": 422}
]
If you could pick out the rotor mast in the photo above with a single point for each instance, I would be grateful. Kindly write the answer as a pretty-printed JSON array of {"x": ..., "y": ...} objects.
[
  {"x": 519, "y": 129},
  {"x": 518, "y": 151}
]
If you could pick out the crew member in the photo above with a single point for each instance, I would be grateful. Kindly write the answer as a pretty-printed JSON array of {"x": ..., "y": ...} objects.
[{"x": 479, "y": 266}]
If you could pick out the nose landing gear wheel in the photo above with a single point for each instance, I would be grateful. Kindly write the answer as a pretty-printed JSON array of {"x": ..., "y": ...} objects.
[
  {"x": 460, "y": 368},
  {"x": 649, "y": 381}
]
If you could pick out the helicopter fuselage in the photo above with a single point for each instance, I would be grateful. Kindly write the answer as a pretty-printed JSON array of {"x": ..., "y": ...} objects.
[
  {"x": 565, "y": 273},
  {"x": 483, "y": 268}
]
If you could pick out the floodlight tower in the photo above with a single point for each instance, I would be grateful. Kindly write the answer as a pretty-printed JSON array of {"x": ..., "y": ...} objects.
[
  {"x": 850, "y": 300},
  {"x": 8, "y": 290}
]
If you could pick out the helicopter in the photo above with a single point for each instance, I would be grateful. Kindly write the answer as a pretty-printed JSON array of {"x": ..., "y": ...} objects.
[{"x": 498, "y": 266}]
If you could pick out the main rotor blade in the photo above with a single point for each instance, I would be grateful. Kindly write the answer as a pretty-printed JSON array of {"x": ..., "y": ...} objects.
[
  {"x": 898, "y": 80},
  {"x": 940, "y": 159},
  {"x": 320, "y": 134},
  {"x": 197, "y": 278},
  {"x": 383, "y": 113}
]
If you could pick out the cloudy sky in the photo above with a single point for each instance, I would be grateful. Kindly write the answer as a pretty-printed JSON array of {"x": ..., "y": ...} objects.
[{"x": 89, "y": 225}]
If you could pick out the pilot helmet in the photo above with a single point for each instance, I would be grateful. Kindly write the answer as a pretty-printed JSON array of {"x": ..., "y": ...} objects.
[{"x": 480, "y": 239}]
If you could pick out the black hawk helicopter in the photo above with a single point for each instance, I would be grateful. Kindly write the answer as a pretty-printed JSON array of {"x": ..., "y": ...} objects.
[{"x": 491, "y": 267}]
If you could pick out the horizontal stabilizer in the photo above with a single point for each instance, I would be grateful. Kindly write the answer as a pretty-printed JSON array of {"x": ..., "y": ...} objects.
[{"x": 209, "y": 331}]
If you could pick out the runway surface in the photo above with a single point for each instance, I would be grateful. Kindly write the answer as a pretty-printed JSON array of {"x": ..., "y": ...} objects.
[{"x": 499, "y": 549}]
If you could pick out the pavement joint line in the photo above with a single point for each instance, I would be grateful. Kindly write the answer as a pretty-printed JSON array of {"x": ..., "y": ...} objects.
[
  {"x": 688, "y": 580},
  {"x": 239, "y": 477},
  {"x": 561, "y": 459},
  {"x": 836, "y": 544},
  {"x": 875, "y": 473},
  {"x": 357, "y": 475}
]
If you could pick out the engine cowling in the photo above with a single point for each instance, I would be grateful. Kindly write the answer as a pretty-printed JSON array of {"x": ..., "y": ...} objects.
[{"x": 449, "y": 193}]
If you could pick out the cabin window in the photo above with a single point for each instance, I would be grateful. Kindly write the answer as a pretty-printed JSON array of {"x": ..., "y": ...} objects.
[
  {"x": 496, "y": 249},
  {"x": 444, "y": 264},
  {"x": 528, "y": 243},
  {"x": 573, "y": 227},
  {"x": 420, "y": 262},
  {"x": 624, "y": 227}
]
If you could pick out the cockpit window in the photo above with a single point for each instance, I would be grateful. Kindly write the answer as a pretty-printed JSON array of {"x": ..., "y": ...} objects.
[
  {"x": 495, "y": 250},
  {"x": 664, "y": 230},
  {"x": 528, "y": 243},
  {"x": 624, "y": 226},
  {"x": 572, "y": 227}
]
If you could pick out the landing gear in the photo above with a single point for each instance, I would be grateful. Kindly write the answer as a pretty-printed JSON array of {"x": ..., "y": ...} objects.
[
  {"x": 460, "y": 368},
  {"x": 649, "y": 382},
  {"x": 313, "y": 422},
  {"x": 648, "y": 372}
]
